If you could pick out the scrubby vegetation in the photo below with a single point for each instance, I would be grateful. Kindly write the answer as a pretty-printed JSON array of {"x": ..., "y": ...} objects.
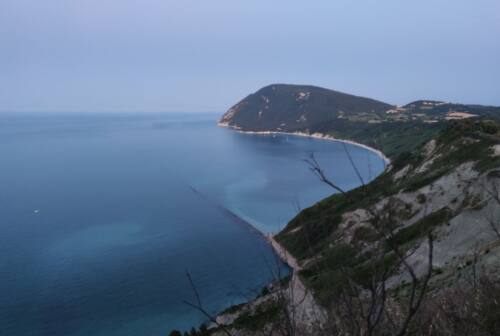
[
  {"x": 368, "y": 255},
  {"x": 385, "y": 137},
  {"x": 463, "y": 141},
  {"x": 258, "y": 319},
  {"x": 393, "y": 130}
]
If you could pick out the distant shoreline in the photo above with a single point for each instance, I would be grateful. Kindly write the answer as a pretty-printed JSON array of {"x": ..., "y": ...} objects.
[{"x": 316, "y": 135}]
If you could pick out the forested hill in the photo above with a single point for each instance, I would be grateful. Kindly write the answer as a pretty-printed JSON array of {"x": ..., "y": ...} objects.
[
  {"x": 283, "y": 107},
  {"x": 310, "y": 109}
]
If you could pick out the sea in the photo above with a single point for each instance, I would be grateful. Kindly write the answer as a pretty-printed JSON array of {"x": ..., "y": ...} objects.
[{"x": 105, "y": 216}]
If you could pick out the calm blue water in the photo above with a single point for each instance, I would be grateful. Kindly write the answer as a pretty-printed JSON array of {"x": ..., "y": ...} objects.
[{"x": 99, "y": 220}]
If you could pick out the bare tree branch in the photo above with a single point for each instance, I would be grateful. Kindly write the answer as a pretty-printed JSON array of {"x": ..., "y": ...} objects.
[
  {"x": 354, "y": 302},
  {"x": 353, "y": 165},
  {"x": 315, "y": 167},
  {"x": 413, "y": 304},
  {"x": 199, "y": 306}
]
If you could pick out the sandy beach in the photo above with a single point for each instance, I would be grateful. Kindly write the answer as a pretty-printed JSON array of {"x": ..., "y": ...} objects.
[{"x": 320, "y": 136}]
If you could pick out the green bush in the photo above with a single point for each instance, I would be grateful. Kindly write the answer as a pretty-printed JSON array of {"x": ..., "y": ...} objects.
[{"x": 420, "y": 228}]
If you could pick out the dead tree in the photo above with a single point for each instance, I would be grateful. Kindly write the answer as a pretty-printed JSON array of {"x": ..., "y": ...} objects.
[
  {"x": 494, "y": 195},
  {"x": 360, "y": 311},
  {"x": 315, "y": 167},
  {"x": 197, "y": 305}
]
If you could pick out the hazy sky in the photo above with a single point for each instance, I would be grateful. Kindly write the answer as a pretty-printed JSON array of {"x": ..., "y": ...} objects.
[{"x": 204, "y": 55}]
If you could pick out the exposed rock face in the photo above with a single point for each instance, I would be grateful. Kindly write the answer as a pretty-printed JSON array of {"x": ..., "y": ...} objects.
[
  {"x": 450, "y": 185},
  {"x": 467, "y": 229},
  {"x": 281, "y": 107}
]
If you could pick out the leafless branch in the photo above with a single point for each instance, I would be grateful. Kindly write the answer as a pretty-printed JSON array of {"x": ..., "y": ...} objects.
[
  {"x": 416, "y": 299},
  {"x": 364, "y": 313},
  {"x": 353, "y": 165},
  {"x": 199, "y": 306},
  {"x": 315, "y": 167}
]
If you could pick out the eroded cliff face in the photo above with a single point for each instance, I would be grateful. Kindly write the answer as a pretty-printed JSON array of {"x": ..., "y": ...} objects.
[
  {"x": 458, "y": 207},
  {"x": 450, "y": 186}
]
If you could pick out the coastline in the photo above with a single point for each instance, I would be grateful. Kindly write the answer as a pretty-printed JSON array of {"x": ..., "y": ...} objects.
[
  {"x": 302, "y": 300},
  {"x": 280, "y": 251},
  {"x": 283, "y": 254},
  {"x": 316, "y": 135}
]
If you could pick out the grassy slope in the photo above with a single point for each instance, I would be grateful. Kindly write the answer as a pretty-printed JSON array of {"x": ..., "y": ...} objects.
[
  {"x": 313, "y": 232},
  {"x": 392, "y": 138}
]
